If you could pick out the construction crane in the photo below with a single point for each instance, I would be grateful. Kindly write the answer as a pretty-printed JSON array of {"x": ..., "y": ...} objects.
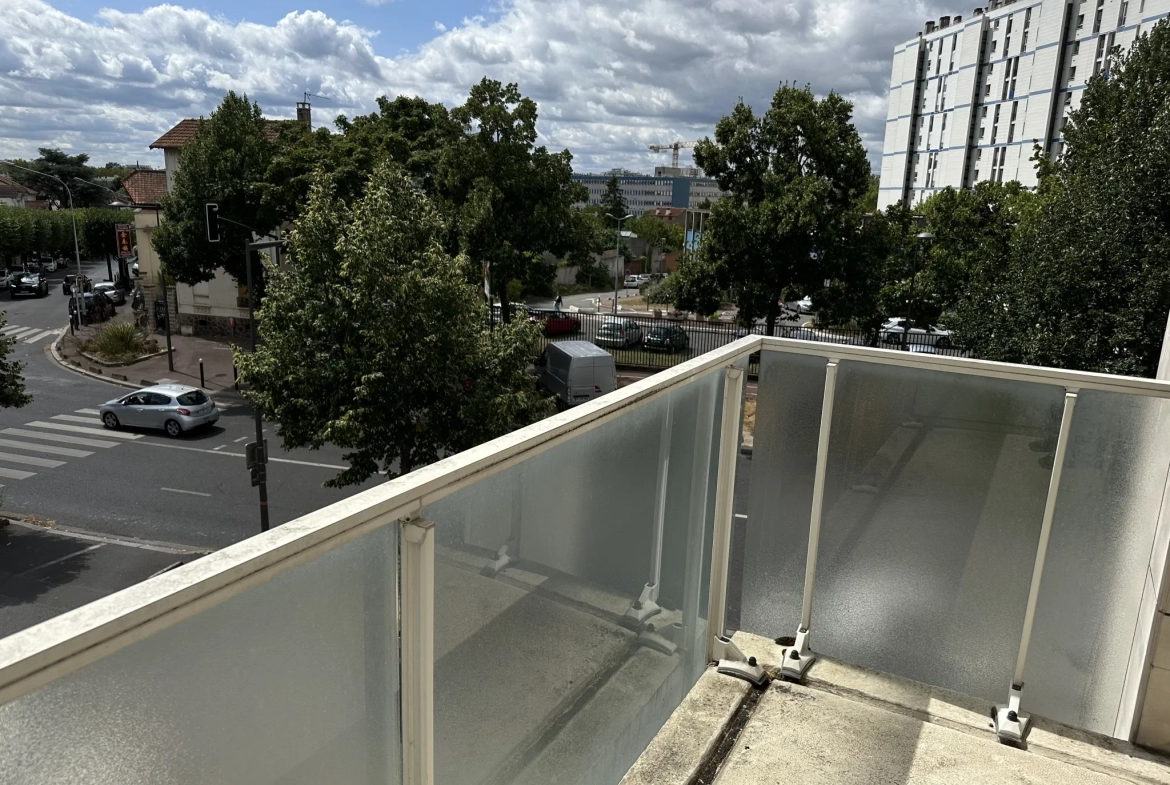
[{"x": 675, "y": 146}]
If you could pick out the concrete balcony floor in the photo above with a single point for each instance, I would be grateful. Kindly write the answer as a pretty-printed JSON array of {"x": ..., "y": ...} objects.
[{"x": 851, "y": 725}]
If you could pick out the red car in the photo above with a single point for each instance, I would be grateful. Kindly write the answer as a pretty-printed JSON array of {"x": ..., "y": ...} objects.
[{"x": 557, "y": 323}]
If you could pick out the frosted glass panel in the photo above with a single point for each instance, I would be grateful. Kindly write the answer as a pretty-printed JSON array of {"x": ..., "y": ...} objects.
[
  {"x": 537, "y": 678},
  {"x": 1102, "y": 537},
  {"x": 293, "y": 682},
  {"x": 934, "y": 495}
]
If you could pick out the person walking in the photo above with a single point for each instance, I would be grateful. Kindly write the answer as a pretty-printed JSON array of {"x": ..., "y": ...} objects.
[{"x": 557, "y": 303}]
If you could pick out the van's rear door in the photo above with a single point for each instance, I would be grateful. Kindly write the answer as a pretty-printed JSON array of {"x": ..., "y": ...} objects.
[{"x": 581, "y": 384}]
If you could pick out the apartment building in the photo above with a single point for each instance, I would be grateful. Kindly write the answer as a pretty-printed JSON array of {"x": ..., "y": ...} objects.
[
  {"x": 644, "y": 193},
  {"x": 971, "y": 98}
]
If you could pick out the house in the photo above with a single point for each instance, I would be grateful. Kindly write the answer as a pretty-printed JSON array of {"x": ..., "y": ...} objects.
[
  {"x": 146, "y": 188},
  {"x": 13, "y": 194}
]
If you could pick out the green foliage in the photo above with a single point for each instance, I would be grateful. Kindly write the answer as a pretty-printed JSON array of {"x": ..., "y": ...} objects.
[
  {"x": 225, "y": 163},
  {"x": 58, "y": 164},
  {"x": 870, "y": 200},
  {"x": 374, "y": 339},
  {"x": 12, "y": 392},
  {"x": 120, "y": 342},
  {"x": 28, "y": 233},
  {"x": 1086, "y": 284},
  {"x": 659, "y": 293},
  {"x": 661, "y": 236},
  {"x": 798, "y": 174},
  {"x": 613, "y": 203}
]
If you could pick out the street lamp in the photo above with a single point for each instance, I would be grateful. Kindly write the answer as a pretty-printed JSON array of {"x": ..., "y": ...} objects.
[
  {"x": 924, "y": 239},
  {"x": 618, "y": 255},
  {"x": 77, "y": 288}
]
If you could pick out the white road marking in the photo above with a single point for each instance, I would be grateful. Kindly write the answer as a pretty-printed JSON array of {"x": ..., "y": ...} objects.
[
  {"x": 22, "y": 332},
  {"x": 29, "y": 460},
  {"x": 45, "y": 448},
  {"x": 94, "y": 412},
  {"x": 241, "y": 455},
  {"x": 13, "y": 474},
  {"x": 127, "y": 542},
  {"x": 11, "y": 329},
  {"x": 78, "y": 429},
  {"x": 178, "y": 490},
  {"x": 95, "y": 422},
  {"x": 38, "y": 337},
  {"x": 237, "y": 441},
  {"x": 220, "y": 447},
  {"x": 740, "y": 515},
  {"x": 59, "y": 559},
  {"x": 54, "y": 437}
]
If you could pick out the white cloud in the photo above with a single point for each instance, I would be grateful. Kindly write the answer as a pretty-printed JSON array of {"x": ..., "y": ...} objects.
[{"x": 610, "y": 77}]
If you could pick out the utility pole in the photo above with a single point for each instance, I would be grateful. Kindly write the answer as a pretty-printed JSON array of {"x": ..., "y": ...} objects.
[{"x": 617, "y": 265}]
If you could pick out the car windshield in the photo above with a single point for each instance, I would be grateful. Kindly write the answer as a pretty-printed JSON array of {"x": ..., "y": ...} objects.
[
  {"x": 610, "y": 327},
  {"x": 193, "y": 398},
  {"x": 659, "y": 332}
]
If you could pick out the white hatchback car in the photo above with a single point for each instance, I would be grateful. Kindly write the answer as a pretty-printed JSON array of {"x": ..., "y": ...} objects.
[{"x": 174, "y": 408}]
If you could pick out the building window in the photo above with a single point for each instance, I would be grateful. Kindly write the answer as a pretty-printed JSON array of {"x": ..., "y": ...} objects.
[
  {"x": 1076, "y": 49},
  {"x": 1097, "y": 21},
  {"x": 1080, "y": 21},
  {"x": 1007, "y": 42},
  {"x": 1009, "y": 24},
  {"x": 1024, "y": 43},
  {"x": 1121, "y": 15},
  {"x": 1072, "y": 74},
  {"x": 994, "y": 44}
]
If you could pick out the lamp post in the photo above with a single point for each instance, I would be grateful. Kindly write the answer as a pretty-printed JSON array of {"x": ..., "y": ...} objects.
[
  {"x": 617, "y": 267},
  {"x": 924, "y": 238},
  {"x": 77, "y": 288}
]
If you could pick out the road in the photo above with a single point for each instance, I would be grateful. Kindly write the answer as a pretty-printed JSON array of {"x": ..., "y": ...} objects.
[{"x": 56, "y": 462}]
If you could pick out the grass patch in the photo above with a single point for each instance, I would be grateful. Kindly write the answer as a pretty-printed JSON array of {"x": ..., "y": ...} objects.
[{"x": 119, "y": 342}]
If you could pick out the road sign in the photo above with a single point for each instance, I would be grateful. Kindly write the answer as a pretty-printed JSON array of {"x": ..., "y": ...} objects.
[
  {"x": 256, "y": 457},
  {"x": 259, "y": 475},
  {"x": 124, "y": 233}
]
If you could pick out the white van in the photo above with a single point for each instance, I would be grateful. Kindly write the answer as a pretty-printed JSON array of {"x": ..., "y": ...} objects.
[{"x": 578, "y": 371}]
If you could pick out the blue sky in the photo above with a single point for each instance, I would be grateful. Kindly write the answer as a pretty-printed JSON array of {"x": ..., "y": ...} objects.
[{"x": 610, "y": 77}]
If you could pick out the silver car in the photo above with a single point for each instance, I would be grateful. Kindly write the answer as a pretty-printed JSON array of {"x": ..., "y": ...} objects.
[
  {"x": 173, "y": 407},
  {"x": 112, "y": 291}
]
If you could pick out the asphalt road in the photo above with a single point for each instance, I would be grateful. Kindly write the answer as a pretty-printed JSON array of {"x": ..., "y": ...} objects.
[{"x": 191, "y": 491}]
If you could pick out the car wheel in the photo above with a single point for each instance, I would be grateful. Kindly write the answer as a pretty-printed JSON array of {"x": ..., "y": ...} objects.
[
  {"x": 943, "y": 343},
  {"x": 173, "y": 428},
  {"x": 110, "y": 420}
]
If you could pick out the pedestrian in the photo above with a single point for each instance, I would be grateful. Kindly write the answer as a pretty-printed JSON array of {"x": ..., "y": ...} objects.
[{"x": 557, "y": 303}]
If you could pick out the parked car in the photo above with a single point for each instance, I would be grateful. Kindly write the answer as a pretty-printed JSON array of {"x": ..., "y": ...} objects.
[
  {"x": 577, "y": 371},
  {"x": 804, "y": 305},
  {"x": 67, "y": 284},
  {"x": 619, "y": 333},
  {"x": 28, "y": 283},
  {"x": 112, "y": 291},
  {"x": 60, "y": 263},
  {"x": 631, "y": 282},
  {"x": 174, "y": 408},
  {"x": 5, "y": 278},
  {"x": 98, "y": 307},
  {"x": 666, "y": 338},
  {"x": 894, "y": 331},
  {"x": 644, "y": 279},
  {"x": 556, "y": 322}
]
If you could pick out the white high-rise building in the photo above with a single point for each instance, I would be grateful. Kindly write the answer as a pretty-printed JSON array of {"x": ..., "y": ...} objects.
[{"x": 969, "y": 98}]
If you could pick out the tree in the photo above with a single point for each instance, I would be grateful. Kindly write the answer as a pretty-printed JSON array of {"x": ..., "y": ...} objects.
[
  {"x": 661, "y": 235},
  {"x": 797, "y": 175},
  {"x": 1087, "y": 283},
  {"x": 509, "y": 200},
  {"x": 225, "y": 163},
  {"x": 374, "y": 340},
  {"x": 613, "y": 203},
  {"x": 12, "y": 392},
  {"x": 66, "y": 167}
]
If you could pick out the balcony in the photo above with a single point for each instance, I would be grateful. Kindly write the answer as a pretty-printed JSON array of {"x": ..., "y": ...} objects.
[{"x": 535, "y": 609}]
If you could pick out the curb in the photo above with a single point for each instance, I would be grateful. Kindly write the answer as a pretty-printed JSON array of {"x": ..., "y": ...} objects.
[{"x": 54, "y": 350}]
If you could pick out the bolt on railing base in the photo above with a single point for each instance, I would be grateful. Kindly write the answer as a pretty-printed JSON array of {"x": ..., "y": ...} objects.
[
  {"x": 496, "y": 565},
  {"x": 1011, "y": 725},
  {"x": 798, "y": 658},
  {"x": 732, "y": 662}
]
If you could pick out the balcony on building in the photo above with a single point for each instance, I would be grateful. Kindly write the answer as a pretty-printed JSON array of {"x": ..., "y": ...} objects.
[{"x": 540, "y": 608}]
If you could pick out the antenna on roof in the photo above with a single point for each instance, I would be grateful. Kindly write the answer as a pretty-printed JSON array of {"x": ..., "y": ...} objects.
[{"x": 305, "y": 109}]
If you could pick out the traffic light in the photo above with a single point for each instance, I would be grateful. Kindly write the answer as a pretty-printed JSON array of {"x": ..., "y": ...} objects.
[{"x": 213, "y": 223}]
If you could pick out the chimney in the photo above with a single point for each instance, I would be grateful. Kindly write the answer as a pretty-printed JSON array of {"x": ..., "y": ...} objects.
[
  {"x": 977, "y": 12},
  {"x": 958, "y": 19},
  {"x": 305, "y": 114},
  {"x": 944, "y": 21},
  {"x": 930, "y": 27}
]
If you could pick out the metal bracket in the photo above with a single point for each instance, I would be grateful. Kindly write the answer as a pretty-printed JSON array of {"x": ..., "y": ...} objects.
[
  {"x": 665, "y": 641},
  {"x": 798, "y": 658},
  {"x": 732, "y": 662},
  {"x": 643, "y": 608},
  {"x": 1011, "y": 726},
  {"x": 496, "y": 565}
]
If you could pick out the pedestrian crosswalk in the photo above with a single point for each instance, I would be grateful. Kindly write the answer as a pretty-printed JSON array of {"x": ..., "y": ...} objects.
[
  {"x": 28, "y": 334},
  {"x": 45, "y": 444}
]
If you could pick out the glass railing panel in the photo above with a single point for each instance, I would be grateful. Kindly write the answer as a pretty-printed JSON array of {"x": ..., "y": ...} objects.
[
  {"x": 540, "y": 674},
  {"x": 293, "y": 681}
]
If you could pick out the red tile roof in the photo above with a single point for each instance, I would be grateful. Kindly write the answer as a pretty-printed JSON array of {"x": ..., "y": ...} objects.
[
  {"x": 10, "y": 189},
  {"x": 184, "y": 132},
  {"x": 146, "y": 186}
]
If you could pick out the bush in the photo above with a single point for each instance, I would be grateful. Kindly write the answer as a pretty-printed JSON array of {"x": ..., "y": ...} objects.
[
  {"x": 594, "y": 276},
  {"x": 120, "y": 342},
  {"x": 658, "y": 293}
]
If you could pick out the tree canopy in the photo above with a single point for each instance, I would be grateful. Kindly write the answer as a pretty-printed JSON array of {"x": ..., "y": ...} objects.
[
  {"x": 373, "y": 339},
  {"x": 797, "y": 174},
  {"x": 59, "y": 164},
  {"x": 29, "y": 233},
  {"x": 12, "y": 392},
  {"x": 613, "y": 202}
]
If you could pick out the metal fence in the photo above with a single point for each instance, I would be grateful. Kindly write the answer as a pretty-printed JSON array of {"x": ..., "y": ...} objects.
[{"x": 704, "y": 335}]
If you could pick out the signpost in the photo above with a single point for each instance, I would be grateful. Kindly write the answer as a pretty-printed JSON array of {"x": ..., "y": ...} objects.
[{"x": 125, "y": 240}]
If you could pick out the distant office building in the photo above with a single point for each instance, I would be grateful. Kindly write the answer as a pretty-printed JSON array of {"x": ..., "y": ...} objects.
[
  {"x": 644, "y": 193},
  {"x": 970, "y": 98}
]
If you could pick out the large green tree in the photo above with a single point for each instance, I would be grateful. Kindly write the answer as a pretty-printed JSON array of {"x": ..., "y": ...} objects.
[
  {"x": 374, "y": 340},
  {"x": 12, "y": 392},
  {"x": 510, "y": 200},
  {"x": 797, "y": 175},
  {"x": 226, "y": 163},
  {"x": 613, "y": 202},
  {"x": 1087, "y": 284},
  {"x": 65, "y": 167}
]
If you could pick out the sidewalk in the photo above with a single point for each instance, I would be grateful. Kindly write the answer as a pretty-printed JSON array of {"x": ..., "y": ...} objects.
[{"x": 187, "y": 352}]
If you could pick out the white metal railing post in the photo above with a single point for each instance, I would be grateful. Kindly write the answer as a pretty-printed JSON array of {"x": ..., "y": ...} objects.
[
  {"x": 800, "y": 656},
  {"x": 719, "y": 647},
  {"x": 646, "y": 605},
  {"x": 1011, "y": 726},
  {"x": 418, "y": 652}
]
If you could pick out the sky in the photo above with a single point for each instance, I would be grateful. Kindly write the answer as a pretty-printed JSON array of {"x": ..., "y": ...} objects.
[{"x": 610, "y": 77}]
